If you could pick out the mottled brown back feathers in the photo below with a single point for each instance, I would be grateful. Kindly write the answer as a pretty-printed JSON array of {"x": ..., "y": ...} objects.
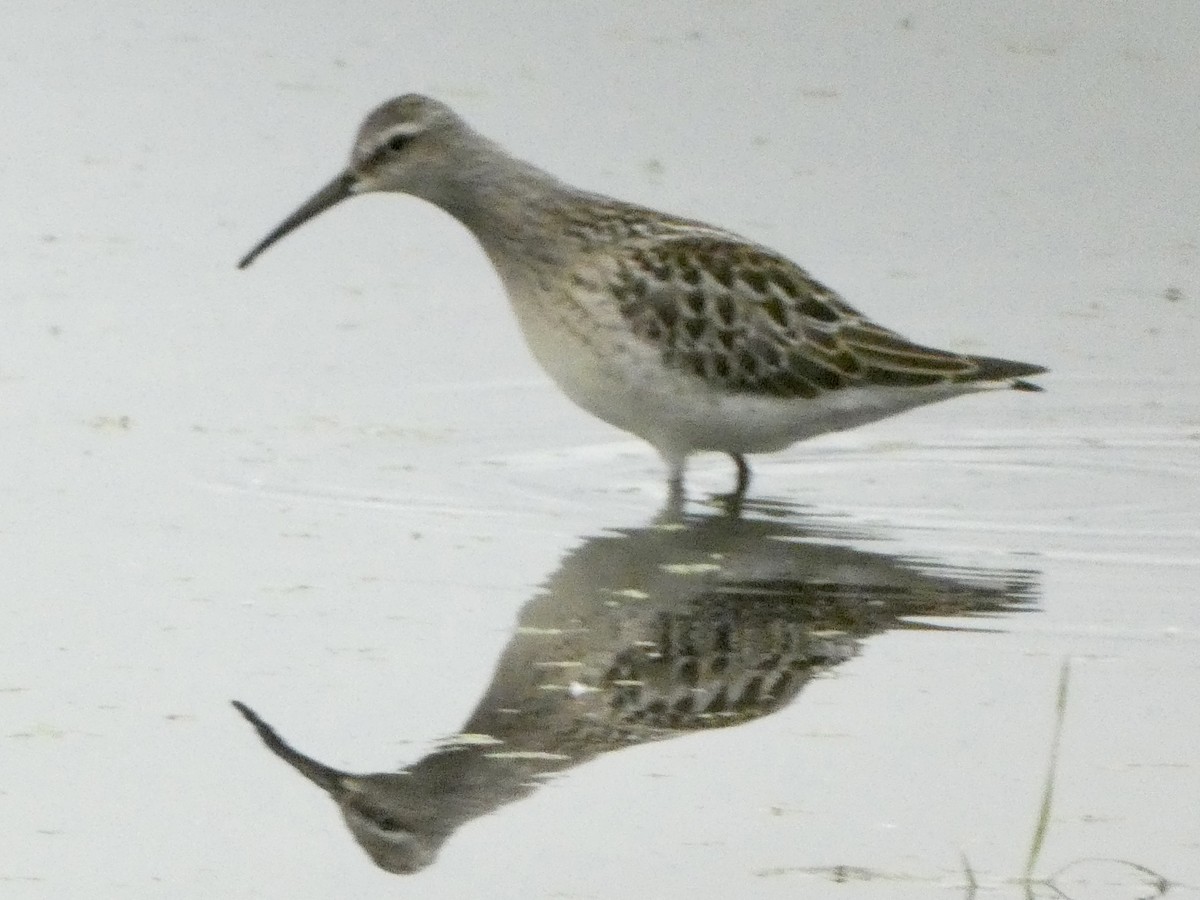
[{"x": 749, "y": 321}]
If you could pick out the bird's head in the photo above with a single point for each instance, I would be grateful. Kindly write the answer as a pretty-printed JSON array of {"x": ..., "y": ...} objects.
[{"x": 411, "y": 144}]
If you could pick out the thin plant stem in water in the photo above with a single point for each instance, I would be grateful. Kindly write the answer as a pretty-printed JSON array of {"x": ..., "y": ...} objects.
[{"x": 1043, "y": 819}]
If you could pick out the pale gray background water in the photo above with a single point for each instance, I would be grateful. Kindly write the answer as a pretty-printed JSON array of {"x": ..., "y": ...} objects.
[{"x": 326, "y": 485}]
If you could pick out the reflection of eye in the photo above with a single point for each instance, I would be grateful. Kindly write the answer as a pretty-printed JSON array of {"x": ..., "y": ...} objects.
[
  {"x": 389, "y": 823},
  {"x": 379, "y": 818},
  {"x": 398, "y": 142}
]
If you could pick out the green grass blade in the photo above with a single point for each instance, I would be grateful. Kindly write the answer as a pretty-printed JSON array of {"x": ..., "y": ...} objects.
[{"x": 1043, "y": 819}]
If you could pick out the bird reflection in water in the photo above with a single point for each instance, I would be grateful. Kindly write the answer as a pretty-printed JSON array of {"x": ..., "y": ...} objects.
[{"x": 692, "y": 623}]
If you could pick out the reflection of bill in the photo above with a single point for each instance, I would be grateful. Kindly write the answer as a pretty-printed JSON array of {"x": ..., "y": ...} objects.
[{"x": 647, "y": 634}]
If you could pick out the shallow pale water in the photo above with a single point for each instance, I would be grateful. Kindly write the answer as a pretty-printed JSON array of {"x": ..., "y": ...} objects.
[{"x": 336, "y": 487}]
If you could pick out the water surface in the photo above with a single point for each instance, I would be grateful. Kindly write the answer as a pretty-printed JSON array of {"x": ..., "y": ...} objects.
[{"x": 337, "y": 488}]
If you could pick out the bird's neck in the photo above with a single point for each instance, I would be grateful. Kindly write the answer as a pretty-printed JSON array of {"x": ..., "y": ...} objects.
[{"x": 509, "y": 205}]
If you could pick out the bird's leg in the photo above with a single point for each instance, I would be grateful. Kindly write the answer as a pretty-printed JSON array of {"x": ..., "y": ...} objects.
[
  {"x": 733, "y": 500},
  {"x": 675, "y": 466},
  {"x": 672, "y": 511},
  {"x": 743, "y": 474}
]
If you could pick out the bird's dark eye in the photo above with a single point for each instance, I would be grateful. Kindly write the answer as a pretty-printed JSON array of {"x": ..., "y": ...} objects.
[{"x": 398, "y": 142}]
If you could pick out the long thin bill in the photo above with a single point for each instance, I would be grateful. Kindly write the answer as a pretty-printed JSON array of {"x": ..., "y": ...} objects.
[
  {"x": 333, "y": 193},
  {"x": 323, "y": 776}
]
